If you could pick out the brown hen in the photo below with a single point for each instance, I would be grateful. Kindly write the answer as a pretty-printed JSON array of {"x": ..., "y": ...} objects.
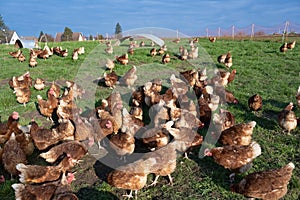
[
  {"x": 7, "y": 128},
  {"x": 40, "y": 174},
  {"x": 123, "y": 60},
  {"x": 39, "y": 84},
  {"x": 44, "y": 191},
  {"x": 12, "y": 155},
  {"x": 235, "y": 158},
  {"x": 110, "y": 79},
  {"x": 47, "y": 107},
  {"x": 73, "y": 148},
  {"x": 43, "y": 138},
  {"x": 239, "y": 134},
  {"x": 129, "y": 77},
  {"x": 255, "y": 102},
  {"x": 267, "y": 185},
  {"x": 287, "y": 118},
  {"x": 132, "y": 176}
]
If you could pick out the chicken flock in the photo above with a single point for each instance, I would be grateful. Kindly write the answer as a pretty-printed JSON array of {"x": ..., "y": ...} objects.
[
  {"x": 45, "y": 53},
  {"x": 173, "y": 129}
]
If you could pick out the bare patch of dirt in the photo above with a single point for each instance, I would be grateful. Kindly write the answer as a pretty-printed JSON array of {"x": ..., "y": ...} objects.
[
  {"x": 85, "y": 172},
  {"x": 4, "y": 82}
]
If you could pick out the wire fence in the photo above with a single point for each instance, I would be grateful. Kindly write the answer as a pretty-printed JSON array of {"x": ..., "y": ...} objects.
[
  {"x": 254, "y": 31},
  {"x": 278, "y": 32}
]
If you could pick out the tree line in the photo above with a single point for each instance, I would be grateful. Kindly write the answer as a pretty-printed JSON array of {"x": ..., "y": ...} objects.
[
  {"x": 68, "y": 33},
  {"x": 66, "y": 36}
]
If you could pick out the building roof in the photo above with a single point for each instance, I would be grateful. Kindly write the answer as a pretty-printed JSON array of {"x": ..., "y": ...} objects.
[
  {"x": 32, "y": 38},
  {"x": 8, "y": 34},
  {"x": 75, "y": 36},
  {"x": 19, "y": 42},
  {"x": 58, "y": 37}
]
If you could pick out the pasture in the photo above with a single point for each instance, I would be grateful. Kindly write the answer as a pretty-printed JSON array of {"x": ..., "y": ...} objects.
[{"x": 261, "y": 69}]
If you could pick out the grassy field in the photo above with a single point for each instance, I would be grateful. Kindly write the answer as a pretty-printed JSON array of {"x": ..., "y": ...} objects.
[{"x": 261, "y": 69}]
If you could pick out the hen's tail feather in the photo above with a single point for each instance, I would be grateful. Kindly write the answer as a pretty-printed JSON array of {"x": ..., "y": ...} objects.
[
  {"x": 22, "y": 168},
  {"x": 256, "y": 149},
  {"x": 19, "y": 188}
]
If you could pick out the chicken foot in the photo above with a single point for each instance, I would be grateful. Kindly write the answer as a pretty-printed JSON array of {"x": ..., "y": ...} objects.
[{"x": 129, "y": 196}]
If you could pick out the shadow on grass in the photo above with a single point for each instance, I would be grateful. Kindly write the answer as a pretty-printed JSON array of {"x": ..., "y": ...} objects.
[
  {"x": 100, "y": 81},
  {"x": 220, "y": 66},
  {"x": 269, "y": 117},
  {"x": 277, "y": 104},
  {"x": 102, "y": 170},
  {"x": 88, "y": 193},
  {"x": 239, "y": 106},
  {"x": 210, "y": 171},
  {"x": 274, "y": 51},
  {"x": 267, "y": 120},
  {"x": 264, "y": 118},
  {"x": 210, "y": 168}
]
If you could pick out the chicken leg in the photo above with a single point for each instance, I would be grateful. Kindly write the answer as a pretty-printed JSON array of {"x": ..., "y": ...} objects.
[
  {"x": 129, "y": 196},
  {"x": 186, "y": 156},
  {"x": 154, "y": 182},
  {"x": 156, "y": 178},
  {"x": 171, "y": 180}
]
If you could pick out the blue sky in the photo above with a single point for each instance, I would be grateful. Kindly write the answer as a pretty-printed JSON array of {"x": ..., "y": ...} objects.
[{"x": 190, "y": 17}]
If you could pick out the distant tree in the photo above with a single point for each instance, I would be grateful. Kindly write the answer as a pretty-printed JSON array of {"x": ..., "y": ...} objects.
[
  {"x": 41, "y": 35},
  {"x": 91, "y": 37},
  {"x": 118, "y": 30},
  {"x": 293, "y": 33},
  {"x": 3, "y": 25},
  {"x": 50, "y": 38},
  {"x": 3, "y": 30},
  {"x": 67, "y": 35},
  {"x": 259, "y": 33},
  {"x": 240, "y": 34},
  {"x": 100, "y": 37},
  {"x": 45, "y": 37}
]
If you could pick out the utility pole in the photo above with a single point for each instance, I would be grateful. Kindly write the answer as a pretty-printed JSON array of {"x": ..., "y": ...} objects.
[
  {"x": 233, "y": 32},
  {"x": 285, "y": 31}
]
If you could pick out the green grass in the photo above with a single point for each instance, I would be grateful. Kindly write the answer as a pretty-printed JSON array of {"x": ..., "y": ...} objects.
[{"x": 261, "y": 68}]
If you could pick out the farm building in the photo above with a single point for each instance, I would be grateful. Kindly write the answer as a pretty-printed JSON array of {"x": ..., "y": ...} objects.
[
  {"x": 11, "y": 37},
  {"x": 29, "y": 42},
  {"x": 76, "y": 36}
]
